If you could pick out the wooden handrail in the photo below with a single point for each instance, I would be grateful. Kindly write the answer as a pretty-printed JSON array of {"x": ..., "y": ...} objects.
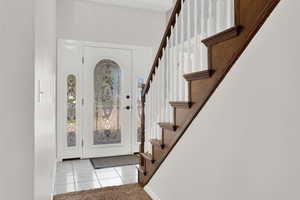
[{"x": 163, "y": 44}]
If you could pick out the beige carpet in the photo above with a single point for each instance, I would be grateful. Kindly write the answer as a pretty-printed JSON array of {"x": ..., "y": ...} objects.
[{"x": 124, "y": 192}]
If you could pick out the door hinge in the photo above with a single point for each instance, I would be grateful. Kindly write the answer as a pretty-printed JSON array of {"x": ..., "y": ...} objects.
[
  {"x": 82, "y": 143},
  {"x": 82, "y": 60},
  {"x": 82, "y": 101}
]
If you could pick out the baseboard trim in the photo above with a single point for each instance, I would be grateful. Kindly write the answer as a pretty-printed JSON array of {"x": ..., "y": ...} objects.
[
  {"x": 150, "y": 192},
  {"x": 54, "y": 178}
]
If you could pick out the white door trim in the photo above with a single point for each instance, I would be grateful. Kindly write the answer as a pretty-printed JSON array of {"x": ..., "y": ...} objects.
[{"x": 141, "y": 57}]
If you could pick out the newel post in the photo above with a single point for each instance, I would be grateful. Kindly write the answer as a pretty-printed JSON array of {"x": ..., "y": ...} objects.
[{"x": 142, "y": 145}]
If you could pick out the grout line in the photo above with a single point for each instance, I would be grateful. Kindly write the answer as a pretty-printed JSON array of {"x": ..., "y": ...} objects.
[
  {"x": 94, "y": 171},
  {"x": 98, "y": 178},
  {"x": 117, "y": 172},
  {"x": 73, "y": 173}
]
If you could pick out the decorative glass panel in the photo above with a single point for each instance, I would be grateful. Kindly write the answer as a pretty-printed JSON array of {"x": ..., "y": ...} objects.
[
  {"x": 71, "y": 112},
  {"x": 107, "y": 103}
]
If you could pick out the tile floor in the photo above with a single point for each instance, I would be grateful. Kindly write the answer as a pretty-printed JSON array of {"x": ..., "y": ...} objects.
[{"x": 80, "y": 175}]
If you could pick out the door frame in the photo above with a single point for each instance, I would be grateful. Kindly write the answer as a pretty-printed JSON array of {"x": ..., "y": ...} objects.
[{"x": 141, "y": 56}]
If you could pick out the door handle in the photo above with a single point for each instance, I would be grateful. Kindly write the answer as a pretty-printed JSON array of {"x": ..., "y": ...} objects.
[{"x": 127, "y": 107}]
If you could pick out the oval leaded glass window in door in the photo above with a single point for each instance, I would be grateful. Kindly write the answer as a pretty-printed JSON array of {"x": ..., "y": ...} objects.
[
  {"x": 71, "y": 111},
  {"x": 107, "y": 103}
]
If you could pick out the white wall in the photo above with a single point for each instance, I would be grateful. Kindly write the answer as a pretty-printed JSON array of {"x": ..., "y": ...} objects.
[
  {"x": 83, "y": 20},
  {"x": 27, "y": 31},
  {"x": 244, "y": 144},
  {"x": 89, "y": 21},
  {"x": 16, "y": 102},
  {"x": 45, "y": 73}
]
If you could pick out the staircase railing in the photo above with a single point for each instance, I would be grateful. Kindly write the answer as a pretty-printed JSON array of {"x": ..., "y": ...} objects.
[{"x": 181, "y": 52}]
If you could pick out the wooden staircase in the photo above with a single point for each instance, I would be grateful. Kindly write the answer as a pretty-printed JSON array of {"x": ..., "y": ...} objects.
[{"x": 223, "y": 51}]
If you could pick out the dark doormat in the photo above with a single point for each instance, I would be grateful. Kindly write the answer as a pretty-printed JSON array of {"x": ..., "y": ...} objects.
[{"x": 107, "y": 162}]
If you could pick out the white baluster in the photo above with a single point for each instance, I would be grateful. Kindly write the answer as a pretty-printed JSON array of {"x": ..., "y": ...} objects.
[
  {"x": 203, "y": 48},
  {"x": 229, "y": 13},
  {"x": 156, "y": 91},
  {"x": 159, "y": 95},
  {"x": 176, "y": 59},
  {"x": 185, "y": 65},
  {"x": 146, "y": 121},
  {"x": 147, "y": 115},
  {"x": 172, "y": 63},
  {"x": 158, "y": 99},
  {"x": 163, "y": 87},
  {"x": 162, "y": 98},
  {"x": 189, "y": 36},
  {"x": 182, "y": 66},
  {"x": 196, "y": 55},
  {"x": 150, "y": 112},
  {"x": 220, "y": 15},
  {"x": 211, "y": 21},
  {"x": 149, "y": 120},
  {"x": 167, "y": 80},
  {"x": 155, "y": 105},
  {"x": 152, "y": 108}
]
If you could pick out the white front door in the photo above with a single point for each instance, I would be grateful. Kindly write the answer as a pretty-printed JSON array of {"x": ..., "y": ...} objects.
[
  {"x": 94, "y": 89},
  {"x": 107, "y": 102}
]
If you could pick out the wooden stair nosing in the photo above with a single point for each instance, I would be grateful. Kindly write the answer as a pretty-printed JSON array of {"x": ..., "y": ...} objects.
[
  {"x": 222, "y": 36},
  {"x": 147, "y": 156},
  {"x": 198, "y": 75},
  {"x": 168, "y": 126},
  {"x": 181, "y": 104}
]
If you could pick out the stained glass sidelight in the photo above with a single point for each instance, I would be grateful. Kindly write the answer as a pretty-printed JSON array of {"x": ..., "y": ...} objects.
[
  {"x": 71, "y": 111},
  {"x": 107, "y": 103}
]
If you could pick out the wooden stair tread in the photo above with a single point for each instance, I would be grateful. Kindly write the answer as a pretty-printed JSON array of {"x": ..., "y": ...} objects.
[
  {"x": 198, "y": 75},
  {"x": 147, "y": 156},
  {"x": 169, "y": 126},
  {"x": 181, "y": 104},
  {"x": 222, "y": 36}
]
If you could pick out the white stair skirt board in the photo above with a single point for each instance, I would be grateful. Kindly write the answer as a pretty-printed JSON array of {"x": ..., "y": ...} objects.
[{"x": 150, "y": 192}]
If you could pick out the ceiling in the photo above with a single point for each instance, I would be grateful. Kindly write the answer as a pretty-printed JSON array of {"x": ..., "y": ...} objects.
[{"x": 155, "y": 5}]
